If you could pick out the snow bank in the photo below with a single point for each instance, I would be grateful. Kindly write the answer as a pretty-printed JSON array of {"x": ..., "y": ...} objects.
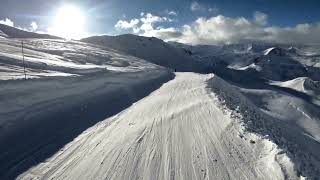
[
  {"x": 299, "y": 147},
  {"x": 38, "y": 117}
]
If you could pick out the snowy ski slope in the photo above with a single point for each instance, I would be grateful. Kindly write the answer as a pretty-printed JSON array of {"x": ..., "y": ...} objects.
[{"x": 177, "y": 132}]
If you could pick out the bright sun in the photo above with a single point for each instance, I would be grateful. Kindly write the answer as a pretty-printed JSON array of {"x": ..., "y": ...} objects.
[{"x": 68, "y": 23}]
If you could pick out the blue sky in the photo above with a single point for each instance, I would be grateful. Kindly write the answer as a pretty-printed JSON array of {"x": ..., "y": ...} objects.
[
  {"x": 103, "y": 15},
  {"x": 281, "y": 12}
]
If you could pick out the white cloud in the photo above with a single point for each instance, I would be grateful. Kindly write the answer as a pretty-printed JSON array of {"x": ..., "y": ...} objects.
[
  {"x": 214, "y": 10},
  {"x": 122, "y": 24},
  {"x": 219, "y": 29},
  {"x": 301, "y": 33},
  {"x": 222, "y": 30},
  {"x": 147, "y": 24},
  {"x": 195, "y": 6},
  {"x": 149, "y": 18},
  {"x": 260, "y": 18},
  {"x": 172, "y": 13},
  {"x": 167, "y": 34},
  {"x": 146, "y": 27},
  {"x": 34, "y": 26},
  {"x": 7, "y": 22}
]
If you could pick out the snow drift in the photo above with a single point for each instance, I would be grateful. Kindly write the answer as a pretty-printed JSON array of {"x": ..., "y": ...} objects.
[{"x": 301, "y": 148}]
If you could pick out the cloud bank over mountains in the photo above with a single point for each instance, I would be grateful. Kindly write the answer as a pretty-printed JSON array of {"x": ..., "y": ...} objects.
[{"x": 220, "y": 29}]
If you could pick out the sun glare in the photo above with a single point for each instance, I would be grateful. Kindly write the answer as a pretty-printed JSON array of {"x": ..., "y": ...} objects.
[{"x": 68, "y": 23}]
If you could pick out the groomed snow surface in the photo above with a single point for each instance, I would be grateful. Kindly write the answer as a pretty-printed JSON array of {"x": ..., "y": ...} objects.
[{"x": 180, "y": 131}]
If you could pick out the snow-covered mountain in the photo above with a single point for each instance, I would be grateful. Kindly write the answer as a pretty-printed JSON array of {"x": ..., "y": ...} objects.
[
  {"x": 150, "y": 49},
  {"x": 301, "y": 84},
  {"x": 113, "y": 108},
  {"x": 11, "y": 32},
  {"x": 275, "y": 64},
  {"x": 269, "y": 61}
]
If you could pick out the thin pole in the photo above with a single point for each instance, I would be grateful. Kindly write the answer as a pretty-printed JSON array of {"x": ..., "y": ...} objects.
[{"x": 24, "y": 66}]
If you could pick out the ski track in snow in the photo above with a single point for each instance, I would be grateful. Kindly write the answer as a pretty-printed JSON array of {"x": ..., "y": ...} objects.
[{"x": 177, "y": 132}]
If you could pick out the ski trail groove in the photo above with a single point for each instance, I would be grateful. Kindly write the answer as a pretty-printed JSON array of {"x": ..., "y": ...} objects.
[{"x": 177, "y": 132}]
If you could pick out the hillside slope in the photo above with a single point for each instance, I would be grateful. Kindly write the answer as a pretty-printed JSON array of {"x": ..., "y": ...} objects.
[
  {"x": 151, "y": 49},
  {"x": 11, "y": 32}
]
